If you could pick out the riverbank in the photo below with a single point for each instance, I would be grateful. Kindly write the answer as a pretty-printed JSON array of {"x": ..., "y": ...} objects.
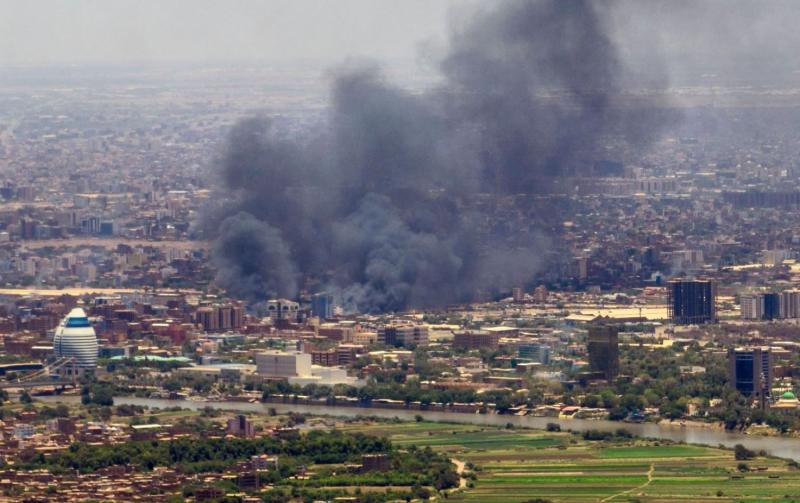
[
  {"x": 483, "y": 463},
  {"x": 788, "y": 448},
  {"x": 472, "y": 408},
  {"x": 683, "y": 423}
]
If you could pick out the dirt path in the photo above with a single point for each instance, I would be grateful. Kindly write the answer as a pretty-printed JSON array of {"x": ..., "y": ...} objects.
[
  {"x": 462, "y": 482},
  {"x": 637, "y": 488}
]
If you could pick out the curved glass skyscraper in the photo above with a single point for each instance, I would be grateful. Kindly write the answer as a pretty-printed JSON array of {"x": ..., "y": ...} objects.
[{"x": 75, "y": 338}]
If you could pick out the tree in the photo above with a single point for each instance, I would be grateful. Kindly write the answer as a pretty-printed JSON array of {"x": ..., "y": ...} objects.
[
  {"x": 596, "y": 435},
  {"x": 758, "y": 416},
  {"x": 618, "y": 413},
  {"x": 623, "y": 433},
  {"x": 128, "y": 410},
  {"x": 610, "y": 400},
  {"x": 172, "y": 385},
  {"x": 202, "y": 385},
  {"x": 420, "y": 492},
  {"x": 59, "y": 410},
  {"x": 742, "y": 453},
  {"x": 104, "y": 413},
  {"x": 779, "y": 422},
  {"x": 446, "y": 479},
  {"x": 103, "y": 396},
  {"x": 731, "y": 420},
  {"x": 591, "y": 401},
  {"x": 25, "y": 397},
  {"x": 674, "y": 409},
  {"x": 652, "y": 398},
  {"x": 632, "y": 402}
]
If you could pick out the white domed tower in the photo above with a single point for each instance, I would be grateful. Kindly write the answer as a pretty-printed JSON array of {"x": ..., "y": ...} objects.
[{"x": 75, "y": 338}]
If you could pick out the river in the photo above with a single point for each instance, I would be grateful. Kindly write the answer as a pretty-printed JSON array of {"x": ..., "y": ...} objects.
[{"x": 783, "y": 447}]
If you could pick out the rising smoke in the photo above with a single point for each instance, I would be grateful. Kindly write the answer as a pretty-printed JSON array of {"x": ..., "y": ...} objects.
[{"x": 380, "y": 203}]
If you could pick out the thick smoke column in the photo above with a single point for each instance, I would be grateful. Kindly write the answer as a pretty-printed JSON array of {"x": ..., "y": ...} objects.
[
  {"x": 252, "y": 259},
  {"x": 379, "y": 203}
]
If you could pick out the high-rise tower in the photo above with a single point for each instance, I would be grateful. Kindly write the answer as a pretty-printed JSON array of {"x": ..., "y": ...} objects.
[
  {"x": 691, "y": 301},
  {"x": 75, "y": 338}
]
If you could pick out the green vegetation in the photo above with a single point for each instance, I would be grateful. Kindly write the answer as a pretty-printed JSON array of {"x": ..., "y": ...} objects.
[
  {"x": 658, "y": 382},
  {"x": 97, "y": 394},
  {"x": 525, "y": 465},
  {"x": 741, "y": 452},
  {"x": 325, "y": 454},
  {"x": 655, "y": 451},
  {"x": 24, "y": 397},
  {"x": 284, "y": 494},
  {"x": 158, "y": 363},
  {"x": 212, "y": 454}
]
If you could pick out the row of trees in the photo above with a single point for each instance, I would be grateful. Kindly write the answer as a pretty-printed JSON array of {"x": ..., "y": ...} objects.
[
  {"x": 417, "y": 467},
  {"x": 316, "y": 447}
]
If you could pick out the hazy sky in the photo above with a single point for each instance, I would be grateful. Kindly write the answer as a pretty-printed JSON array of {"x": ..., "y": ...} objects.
[
  {"x": 77, "y": 31},
  {"x": 746, "y": 39}
]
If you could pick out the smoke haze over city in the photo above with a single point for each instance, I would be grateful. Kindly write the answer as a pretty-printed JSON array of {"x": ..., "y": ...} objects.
[
  {"x": 372, "y": 202},
  {"x": 383, "y": 250},
  {"x": 377, "y": 199}
]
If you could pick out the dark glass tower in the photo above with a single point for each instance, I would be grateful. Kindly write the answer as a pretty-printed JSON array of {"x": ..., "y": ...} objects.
[
  {"x": 603, "y": 349},
  {"x": 750, "y": 372},
  {"x": 691, "y": 302}
]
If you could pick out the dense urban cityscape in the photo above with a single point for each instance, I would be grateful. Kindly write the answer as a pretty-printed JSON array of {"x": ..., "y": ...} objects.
[{"x": 269, "y": 282}]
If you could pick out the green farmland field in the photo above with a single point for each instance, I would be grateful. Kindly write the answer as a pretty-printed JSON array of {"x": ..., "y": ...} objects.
[{"x": 517, "y": 465}]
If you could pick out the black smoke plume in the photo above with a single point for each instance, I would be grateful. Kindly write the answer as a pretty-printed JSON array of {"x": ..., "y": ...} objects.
[{"x": 393, "y": 202}]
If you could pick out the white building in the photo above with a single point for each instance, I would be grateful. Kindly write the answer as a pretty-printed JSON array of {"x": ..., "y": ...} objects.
[
  {"x": 75, "y": 337},
  {"x": 751, "y": 307},
  {"x": 283, "y": 363},
  {"x": 790, "y": 304},
  {"x": 297, "y": 368},
  {"x": 326, "y": 376}
]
